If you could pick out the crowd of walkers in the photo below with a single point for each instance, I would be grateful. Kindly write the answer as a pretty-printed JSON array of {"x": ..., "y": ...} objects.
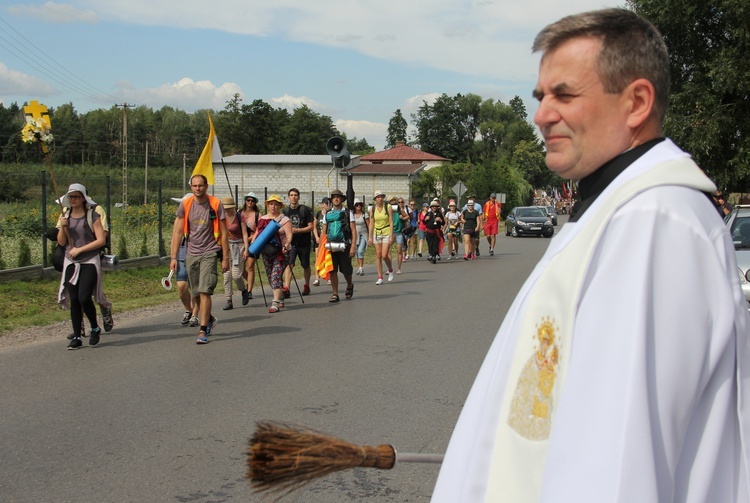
[{"x": 208, "y": 231}]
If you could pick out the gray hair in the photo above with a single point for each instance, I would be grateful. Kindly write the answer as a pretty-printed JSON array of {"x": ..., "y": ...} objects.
[{"x": 632, "y": 48}]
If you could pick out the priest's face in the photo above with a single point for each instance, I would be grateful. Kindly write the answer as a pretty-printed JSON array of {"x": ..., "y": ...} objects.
[{"x": 583, "y": 126}]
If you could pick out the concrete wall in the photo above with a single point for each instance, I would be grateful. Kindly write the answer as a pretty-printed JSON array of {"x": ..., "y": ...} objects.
[{"x": 307, "y": 178}]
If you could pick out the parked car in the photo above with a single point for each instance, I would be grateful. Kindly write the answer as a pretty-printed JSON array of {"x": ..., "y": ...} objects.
[
  {"x": 739, "y": 226},
  {"x": 552, "y": 214},
  {"x": 529, "y": 221}
]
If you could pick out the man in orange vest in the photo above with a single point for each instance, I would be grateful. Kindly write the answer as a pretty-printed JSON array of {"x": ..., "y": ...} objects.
[
  {"x": 202, "y": 222},
  {"x": 492, "y": 210}
]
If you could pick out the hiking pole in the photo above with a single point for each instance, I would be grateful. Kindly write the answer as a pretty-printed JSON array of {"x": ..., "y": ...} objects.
[
  {"x": 291, "y": 269},
  {"x": 260, "y": 278},
  {"x": 283, "y": 457}
]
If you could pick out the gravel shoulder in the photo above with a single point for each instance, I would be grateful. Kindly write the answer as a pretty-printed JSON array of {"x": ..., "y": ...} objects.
[{"x": 35, "y": 335}]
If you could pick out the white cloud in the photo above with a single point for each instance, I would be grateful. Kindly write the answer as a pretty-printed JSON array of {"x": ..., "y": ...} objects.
[
  {"x": 53, "y": 12},
  {"x": 374, "y": 132},
  {"x": 291, "y": 102},
  {"x": 13, "y": 82},
  {"x": 481, "y": 38},
  {"x": 186, "y": 94}
]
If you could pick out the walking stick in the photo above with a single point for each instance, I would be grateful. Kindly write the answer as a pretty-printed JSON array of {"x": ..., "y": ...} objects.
[
  {"x": 291, "y": 269},
  {"x": 283, "y": 457},
  {"x": 260, "y": 278}
]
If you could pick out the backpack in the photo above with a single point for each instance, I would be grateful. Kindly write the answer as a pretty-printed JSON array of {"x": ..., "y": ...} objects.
[{"x": 338, "y": 230}]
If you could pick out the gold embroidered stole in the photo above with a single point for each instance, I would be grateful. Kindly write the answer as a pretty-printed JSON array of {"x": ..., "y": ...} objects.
[{"x": 542, "y": 351}]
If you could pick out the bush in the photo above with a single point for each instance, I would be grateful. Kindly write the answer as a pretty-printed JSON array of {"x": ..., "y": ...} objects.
[
  {"x": 144, "y": 245},
  {"x": 122, "y": 252},
  {"x": 24, "y": 253},
  {"x": 2, "y": 262}
]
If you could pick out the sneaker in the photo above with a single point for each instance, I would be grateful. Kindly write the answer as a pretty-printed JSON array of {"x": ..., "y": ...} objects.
[
  {"x": 419, "y": 254},
  {"x": 195, "y": 322},
  {"x": 379, "y": 281},
  {"x": 306, "y": 290},
  {"x": 328, "y": 282},
  {"x": 211, "y": 325},
  {"x": 316, "y": 282},
  {"x": 94, "y": 336},
  {"x": 186, "y": 318},
  {"x": 202, "y": 339},
  {"x": 448, "y": 259},
  {"x": 245, "y": 297},
  {"x": 453, "y": 254},
  {"x": 360, "y": 272},
  {"x": 466, "y": 257},
  {"x": 398, "y": 271},
  {"x": 287, "y": 293},
  {"x": 406, "y": 257},
  {"x": 228, "y": 306},
  {"x": 107, "y": 320},
  {"x": 390, "y": 276},
  {"x": 75, "y": 343},
  {"x": 477, "y": 251},
  {"x": 492, "y": 252}
]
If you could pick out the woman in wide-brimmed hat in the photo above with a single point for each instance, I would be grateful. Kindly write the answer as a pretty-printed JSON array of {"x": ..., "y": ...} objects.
[
  {"x": 79, "y": 283},
  {"x": 274, "y": 254},
  {"x": 381, "y": 235}
]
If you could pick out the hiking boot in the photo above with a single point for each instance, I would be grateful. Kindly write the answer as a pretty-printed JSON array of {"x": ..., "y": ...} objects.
[
  {"x": 94, "y": 336},
  {"x": 306, "y": 290},
  {"x": 75, "y": 343},
  {"x": 186, "y": 318},
  {"x": 245, "y": 297},
  {"x": 287, "y": 293},
  {"x": 195, "y": 322},
  {"x": 107, "y": 320},
  {"x": 228, "y": 306}
]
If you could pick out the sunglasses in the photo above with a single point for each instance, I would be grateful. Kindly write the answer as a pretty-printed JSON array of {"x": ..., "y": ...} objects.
[{"x": 75, "y": 197}]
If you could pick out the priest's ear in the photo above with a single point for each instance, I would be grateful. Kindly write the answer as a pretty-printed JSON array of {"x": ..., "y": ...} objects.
[{"x": 641, "y": 97}]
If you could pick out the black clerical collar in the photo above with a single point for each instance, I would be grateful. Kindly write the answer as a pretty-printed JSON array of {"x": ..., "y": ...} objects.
[{"x": 591, "y": 186}]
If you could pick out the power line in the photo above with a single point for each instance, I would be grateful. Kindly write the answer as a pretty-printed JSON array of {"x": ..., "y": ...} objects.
[{"x": 30, "y": 57}]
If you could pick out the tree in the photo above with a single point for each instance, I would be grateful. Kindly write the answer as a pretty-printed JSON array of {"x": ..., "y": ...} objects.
[
  {"x": 307, "y": 132},
  {"x": 449, "y": 126},
  {"x": 397, "y": 127},
  {"x": 708, "y": 44}
]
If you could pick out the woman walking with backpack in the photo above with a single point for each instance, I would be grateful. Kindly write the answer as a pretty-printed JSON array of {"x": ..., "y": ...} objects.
[
  {"x": 79, "y": 283},
  {"x": 275, "y": 251},
  {"x": 249, "y": 215},
  {"x": 381, "y": 235}
]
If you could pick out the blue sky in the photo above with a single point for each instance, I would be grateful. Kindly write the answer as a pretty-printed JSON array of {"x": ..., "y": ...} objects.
[{"x": 355, "y": 61}]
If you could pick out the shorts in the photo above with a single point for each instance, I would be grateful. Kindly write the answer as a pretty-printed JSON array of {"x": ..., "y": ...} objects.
[
  {"x": 420, "y": 233},
  {"x": 490, "y": 228},
  {"x": 400, "y": 239},
  {"x": 470, "y": 232},
  {"x": 201, "y": 271},
  {"x": 181, "y": 271},
  {"x": 302, "y": 253},
  {"x": 382, "y": 239},
  {"x": 342, "y": 263}
]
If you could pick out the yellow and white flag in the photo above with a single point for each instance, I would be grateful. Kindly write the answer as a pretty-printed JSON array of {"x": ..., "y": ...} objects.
[{"x": 211, "y": 153}]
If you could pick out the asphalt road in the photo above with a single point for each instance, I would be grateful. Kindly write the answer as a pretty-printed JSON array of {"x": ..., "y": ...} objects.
[{"x": 149, "y": 416}]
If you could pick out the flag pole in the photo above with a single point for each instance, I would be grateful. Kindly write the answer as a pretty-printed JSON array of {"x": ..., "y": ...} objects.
[{"x": 227, "y": 176}]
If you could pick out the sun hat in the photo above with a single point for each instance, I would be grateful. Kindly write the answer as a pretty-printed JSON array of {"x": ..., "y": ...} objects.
[
  {"x": 378, "y": 193},
  {"x": 357, "y": 201},
  {"x": 277, "y": 198},
  {"x": 452, "y": 203},
  {"x": 228, "y": 202},
  {"x": 76, "y": 187},
  {"x": 337, "y": 192},
  {"x": 435, "y": 202},
  {"x": 252, "y": 196}
]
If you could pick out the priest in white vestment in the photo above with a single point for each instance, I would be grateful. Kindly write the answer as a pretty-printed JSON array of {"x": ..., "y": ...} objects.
[{"x": 620, "y": 371}]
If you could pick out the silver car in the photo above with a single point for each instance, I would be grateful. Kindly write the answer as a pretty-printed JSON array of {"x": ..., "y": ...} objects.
[{"x": 739, "y": 226}]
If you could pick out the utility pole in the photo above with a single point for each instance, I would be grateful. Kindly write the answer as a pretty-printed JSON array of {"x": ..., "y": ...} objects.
[
  {"x": 145, "y": 178},
  {"x": 125, "y": 107}
]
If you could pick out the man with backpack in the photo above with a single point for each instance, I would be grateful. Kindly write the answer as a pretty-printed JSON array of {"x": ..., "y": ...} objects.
[
  {"x": 339, "y": 229},
  {"x": 302, "y": 228}
]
